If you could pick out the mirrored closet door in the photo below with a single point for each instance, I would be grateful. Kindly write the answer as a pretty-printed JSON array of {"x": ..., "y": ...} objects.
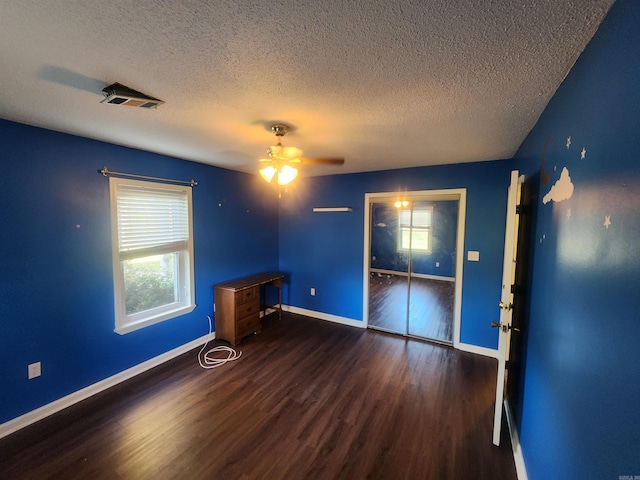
[{"x": 412, "y": 266}]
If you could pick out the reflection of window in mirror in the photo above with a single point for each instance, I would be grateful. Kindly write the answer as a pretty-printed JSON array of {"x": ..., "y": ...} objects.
[{"x": 415, "y": 230}]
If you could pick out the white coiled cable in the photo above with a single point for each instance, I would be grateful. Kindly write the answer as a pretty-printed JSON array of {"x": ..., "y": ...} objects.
[{"x": 208, "y": 360}]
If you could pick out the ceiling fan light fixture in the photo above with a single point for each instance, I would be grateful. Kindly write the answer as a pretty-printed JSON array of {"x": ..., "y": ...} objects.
[
  {"x": 268, "y": 173},
  {"x": 275, "y": 151},
  {"x": 281, "y": 161},
  {"x": 287, "y": 174},
  {"x": 284, "y": 153}
]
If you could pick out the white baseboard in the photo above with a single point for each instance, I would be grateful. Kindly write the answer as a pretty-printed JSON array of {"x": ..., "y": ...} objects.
[
  {"x": 324, "y": 316},
  {"x": 33, "y": 416},
  {"x": 521, "y": 470},
  {"x": 487, "y": 352}
]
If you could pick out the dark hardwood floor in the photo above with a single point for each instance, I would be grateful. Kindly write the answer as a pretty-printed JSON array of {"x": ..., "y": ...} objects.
[
  {"x": 431, "y": 306},
  {"x": 308, "y": 399}
]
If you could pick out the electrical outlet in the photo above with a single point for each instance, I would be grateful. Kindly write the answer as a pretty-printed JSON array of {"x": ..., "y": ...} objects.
[
  {"x": 473, "y": 256},
  {"x": 313, "y": 292},
  {"x": 34, "y": 370},
  {"x": 437, "y": 264}
]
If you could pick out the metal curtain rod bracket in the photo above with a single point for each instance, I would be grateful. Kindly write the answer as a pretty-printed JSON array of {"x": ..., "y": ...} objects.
[{"x": 106, "y": 172}]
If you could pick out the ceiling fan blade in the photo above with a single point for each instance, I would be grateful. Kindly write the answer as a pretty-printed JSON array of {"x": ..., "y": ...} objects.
[
  {"x": 280, "y": 151},
  {"x": 323, "y": 161},
  {"x": 291, "y": 152}
]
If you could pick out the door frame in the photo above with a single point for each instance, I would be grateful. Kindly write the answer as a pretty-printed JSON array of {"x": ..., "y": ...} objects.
[{"x": 458, "y": 194}]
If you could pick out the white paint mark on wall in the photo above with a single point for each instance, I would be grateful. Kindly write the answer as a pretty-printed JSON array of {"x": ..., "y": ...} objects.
[{"x": 561, "y": 190}]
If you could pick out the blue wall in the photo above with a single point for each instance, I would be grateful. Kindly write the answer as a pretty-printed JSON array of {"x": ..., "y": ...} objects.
[
  {"x": 326, "y": 250},
  {"x": 56, "y": 293},
  {"x": 580, "y": 414}
]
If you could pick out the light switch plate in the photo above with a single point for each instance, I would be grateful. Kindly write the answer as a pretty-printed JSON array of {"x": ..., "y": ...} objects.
[
  {"x": 34, "y": 370},
  {"x": 473, "y": 256}
]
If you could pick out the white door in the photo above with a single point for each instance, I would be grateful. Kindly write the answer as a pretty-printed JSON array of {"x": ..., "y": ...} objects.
[{"x": 506, "y": 298}]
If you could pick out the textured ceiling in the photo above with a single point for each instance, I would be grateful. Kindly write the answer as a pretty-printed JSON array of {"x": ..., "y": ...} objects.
[{"x": 386, "y": 84}]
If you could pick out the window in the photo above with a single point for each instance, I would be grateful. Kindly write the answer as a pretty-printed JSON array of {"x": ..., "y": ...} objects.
[
  {"x": 416, "y": 234},
  {"x": 152, "y": 244}
]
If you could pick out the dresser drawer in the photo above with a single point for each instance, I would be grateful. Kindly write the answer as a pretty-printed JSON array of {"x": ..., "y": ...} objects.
[
  {"x": 247, "y": 295},
  {"x": 246, "y": 309},
  {"x": 248, "y": 325}
]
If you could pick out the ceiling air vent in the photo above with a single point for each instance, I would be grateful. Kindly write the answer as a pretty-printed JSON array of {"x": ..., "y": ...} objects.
[{"x": 120, "y": 95}]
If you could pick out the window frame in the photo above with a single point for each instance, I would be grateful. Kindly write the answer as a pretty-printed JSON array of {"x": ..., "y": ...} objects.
[
  {"x": 183, "y": 263},
  {"x": 412, "y": 228}
]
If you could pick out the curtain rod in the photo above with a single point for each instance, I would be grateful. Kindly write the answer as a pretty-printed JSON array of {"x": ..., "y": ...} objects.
[{"x": 106, "y": 172}]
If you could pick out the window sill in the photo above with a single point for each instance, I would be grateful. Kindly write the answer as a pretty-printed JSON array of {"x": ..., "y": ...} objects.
[{"x": 133, "y": 326}]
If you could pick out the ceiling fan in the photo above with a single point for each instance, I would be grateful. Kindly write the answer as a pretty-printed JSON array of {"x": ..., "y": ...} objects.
[{"x": 282, "y": 161}]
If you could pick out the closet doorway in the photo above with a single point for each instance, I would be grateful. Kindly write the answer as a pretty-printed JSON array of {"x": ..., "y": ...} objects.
[{"x": 413, "y": 263}]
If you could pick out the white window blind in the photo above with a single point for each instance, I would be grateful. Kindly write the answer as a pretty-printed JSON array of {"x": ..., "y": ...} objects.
[{"x": 150, "y": 218}]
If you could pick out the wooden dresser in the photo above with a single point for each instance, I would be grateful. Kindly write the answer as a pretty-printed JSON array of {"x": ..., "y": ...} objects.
[{"x": 237, "y": 305}]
